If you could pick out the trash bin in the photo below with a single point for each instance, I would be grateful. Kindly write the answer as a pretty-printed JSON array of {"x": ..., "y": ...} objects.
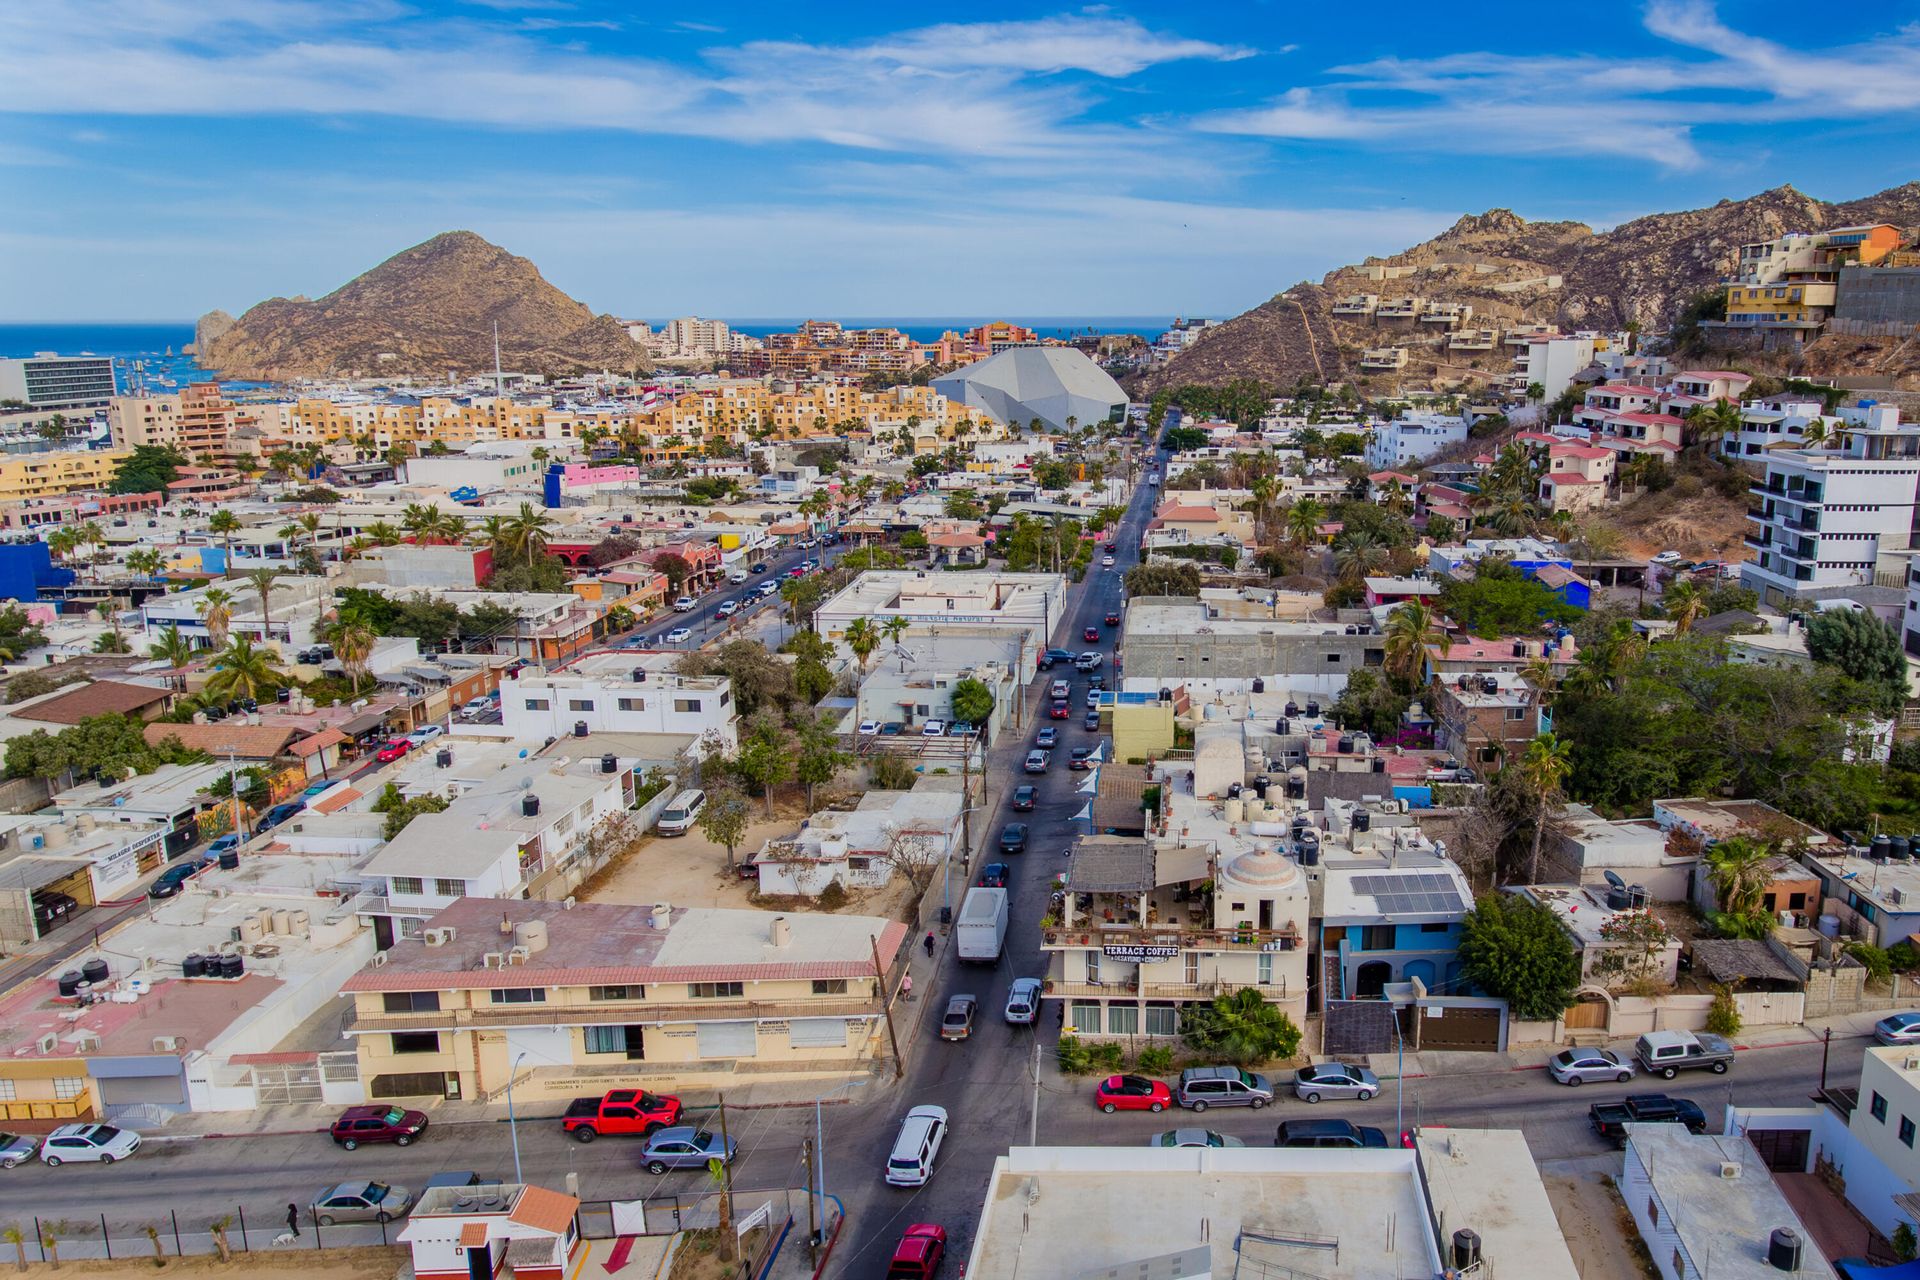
[{"x": 946, "y": 915}]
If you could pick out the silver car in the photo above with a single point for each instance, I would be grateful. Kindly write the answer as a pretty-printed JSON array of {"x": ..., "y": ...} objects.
[
  {"x": 1898, "y": 1028},
  {"x": 1193, "y": 1138},
  {"x": 361, "y": 1202},
  {"x": 685, "y": 1147},
  {"x": 1334, "y": 1080},
  {"x": 1023, "y": 1001},
  {"x": 1577, "y": 1066},
  {"x": 15, "y": 1150}
]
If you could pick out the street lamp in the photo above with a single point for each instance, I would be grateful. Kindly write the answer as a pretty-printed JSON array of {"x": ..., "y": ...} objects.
[
  {"x": 513, "y": 1127},
  {"x": 820, "y": 1150}
]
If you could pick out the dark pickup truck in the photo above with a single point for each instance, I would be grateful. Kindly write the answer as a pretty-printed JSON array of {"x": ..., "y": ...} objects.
[
  {"x": 621, "y": 1112},
  {"x": 1610, "y": 1119}
]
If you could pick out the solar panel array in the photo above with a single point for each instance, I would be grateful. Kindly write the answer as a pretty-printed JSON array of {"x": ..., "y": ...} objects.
[{"x": 1410, "y": 893}]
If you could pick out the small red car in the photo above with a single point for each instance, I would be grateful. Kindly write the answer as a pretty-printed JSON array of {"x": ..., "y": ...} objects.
[
  {"x": 1113, "y": 617},
  {"x": 919, "y": 1253},
  {"x": 1091, "y": 635},
  {"x": 1132, "y": 1093},
  {"x": 1059, "y": 709},
  {"x": 394, "y": 749},
  {"x": 378, "y": 1124}
]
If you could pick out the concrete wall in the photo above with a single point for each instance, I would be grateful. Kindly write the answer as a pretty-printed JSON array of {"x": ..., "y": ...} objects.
[{"x": 1879, "y": 296}]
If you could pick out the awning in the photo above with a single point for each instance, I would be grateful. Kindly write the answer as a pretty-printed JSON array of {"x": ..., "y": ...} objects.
[
  {"x": 364, "y": 723},
  {"x": 433, "y": 674},
  {"x": 1181, "y": 864}
]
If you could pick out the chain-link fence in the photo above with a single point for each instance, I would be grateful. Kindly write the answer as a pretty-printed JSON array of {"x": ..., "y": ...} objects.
[{"x": 178, "y": 1234}]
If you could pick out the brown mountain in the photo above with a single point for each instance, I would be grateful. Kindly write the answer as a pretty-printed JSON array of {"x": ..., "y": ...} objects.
[
  {"x": 1512, "y": 272},
  {"x": 427, "y": 310}
]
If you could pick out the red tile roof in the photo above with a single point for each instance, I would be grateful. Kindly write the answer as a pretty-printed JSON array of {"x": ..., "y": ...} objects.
[
  {"x": 473, "y": 1234},
  {"x": 318, "y": 742},
  {"x": 96, "y": 699},
  {"x": 1569, "y": 477},
  {"x": 1576, "y": 451},
  {"x": 253, "y": 741},
  {"x": 544, "y": 1210}
]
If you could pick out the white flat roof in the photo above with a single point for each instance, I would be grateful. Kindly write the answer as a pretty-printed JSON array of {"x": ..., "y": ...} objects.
[{"x": 1485, "y": 1179}]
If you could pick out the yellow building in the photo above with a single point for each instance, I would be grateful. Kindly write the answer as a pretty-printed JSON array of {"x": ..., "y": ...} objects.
[
  {"x": 47, "y": 475},
  {"x": 571, "y": 1000}
]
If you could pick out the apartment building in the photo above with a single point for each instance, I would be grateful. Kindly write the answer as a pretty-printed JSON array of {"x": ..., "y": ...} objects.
[
  {"x": 1486, "y": 719},
  {"x": 692, "y": 336},
  {"x": 1549, "y": 359},
  {"x": 567, "y": 999},
  {"x": 37, "y": 513},
  {"x": 55, "y": 382},
  {"x": 1835, "y": 517},
  {"x": 1577, "y": 477},
  {"x": 1413, "y": 437},
  {"x": 1004, "y": 603},
  {"x": 28, "y": 476},
  {"x": 198, "y": 421},
  {"x": 615, "y": 693},
  {"x": 1791, "y": 281},
  {"x": 1782, "y": 422}
]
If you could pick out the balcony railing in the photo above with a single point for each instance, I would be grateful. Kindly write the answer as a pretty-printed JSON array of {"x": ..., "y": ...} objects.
[
  {"x": 1157, "y": 990},
  {"x": 1185, "y": 938},
  {"x": 603, "y": 1014}
]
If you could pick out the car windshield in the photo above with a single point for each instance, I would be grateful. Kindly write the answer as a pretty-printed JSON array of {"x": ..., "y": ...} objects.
[
  {"x": 375, "y": 1192},
  {"x": 393, "y": 1115},
  {"x": 1565, "y": 1057},
  {"x": 703, "y": 1139},
  {"x": 903, "y": 1164},
  {"x": 1250, "y": 1080},
  {"x": 103, "y": 1133}
]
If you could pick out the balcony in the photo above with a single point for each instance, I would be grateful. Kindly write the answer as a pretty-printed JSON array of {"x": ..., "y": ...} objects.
[
  {"x": 1806, "y": 550},
  {"x": 1174, "y": 935},
  {"x": 1759, "y": 542},
  {"x": 1157, "y": 990}
]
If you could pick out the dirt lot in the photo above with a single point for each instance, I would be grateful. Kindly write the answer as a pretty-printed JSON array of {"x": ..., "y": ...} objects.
[
  {"x": 309, "y": 1264},
  {"x": 1593, "y": 1220}
]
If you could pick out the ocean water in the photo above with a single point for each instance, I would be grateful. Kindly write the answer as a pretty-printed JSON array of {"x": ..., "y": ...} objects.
[{"x": 128, "y": 341}]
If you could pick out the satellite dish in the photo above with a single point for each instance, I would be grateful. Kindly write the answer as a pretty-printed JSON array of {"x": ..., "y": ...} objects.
[
  {"x": 526, "y": 783},
  {"x": 1614, "y": 880}
]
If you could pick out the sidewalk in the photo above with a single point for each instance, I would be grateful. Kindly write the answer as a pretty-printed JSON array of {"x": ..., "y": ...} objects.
[{"x": 1533, "y": 1057}]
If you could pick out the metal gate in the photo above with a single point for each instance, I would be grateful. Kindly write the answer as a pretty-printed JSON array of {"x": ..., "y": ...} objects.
[
  {"x": 1472, "y": 1028},
  {"x": 1783, "y": 1150},
  {"x": 285, "y": 1083},
  {"x": 1353, "y": 1027}
]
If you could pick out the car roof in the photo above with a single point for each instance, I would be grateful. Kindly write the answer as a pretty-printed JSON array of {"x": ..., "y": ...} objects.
[
  {"x": 1024, "y": 984},
  {"x": 674, "y": 1133}
]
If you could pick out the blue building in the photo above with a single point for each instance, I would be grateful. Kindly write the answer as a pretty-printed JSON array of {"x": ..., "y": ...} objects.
[
  {"x": 1390, "y": 915},
  {"x": 27, "y": 568}
]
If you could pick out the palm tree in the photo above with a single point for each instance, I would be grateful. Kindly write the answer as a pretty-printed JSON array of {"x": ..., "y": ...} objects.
[
  {"x": 352, "y": 640},
  {"x": 172, "y": 648},
  {"x": 1712, "y": 422},
  {"x": 310, "y": 525},
  {"x": 1242, "y": 1028},
  {"x": 216, "y": 610},
  {"x": 1544, "y": 768},
  {"x": 1361, "y": 556},
  {"x": 1304, "y": 519},
  {"x": 243, "y": 671},
  {"x": 63, "y": 542},
  {"x": 262, "y": 581},
  {"x": 863, "y": 638},
  {"x": 226, "y": 524},
  {"x": 1410, "y": 630},
  {"x": 1683, "y": 602},
  {"x": 419, "y": 517},
  {"x": 527, "y": 532},
  {"x": 383, "y": 534},
  {"x": 895, "y": 627},
  {"x": 146, "y": 562}
]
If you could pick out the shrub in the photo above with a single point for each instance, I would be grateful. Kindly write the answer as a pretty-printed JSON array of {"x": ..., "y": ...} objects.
[
  {"x": 833, "y": 897},
  {"x": 1903, "y": 957},
  {"x": 1723, "y": 1018},
  {"x": 1073, "y": 1057},
  {"x": 891, "y": 773},
  {"x": 1905, "y": 1246},
  {"x": 1106, "y": 1056},
  {"x": 1155, "y": 1061},
  {"x": 1879, "y": 965}
]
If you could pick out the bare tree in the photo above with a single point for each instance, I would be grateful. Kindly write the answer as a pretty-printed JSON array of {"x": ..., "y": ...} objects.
[{"x": 917, "y": 855}]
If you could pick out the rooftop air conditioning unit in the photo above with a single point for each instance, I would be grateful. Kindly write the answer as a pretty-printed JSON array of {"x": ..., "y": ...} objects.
[
  {"x": 87, "y": 1042},
  {"x": 439, "y": 937},
  {"x": 492, "y": 960},
  {"x": 518, "y": 955},
  {"x": 166, "y": 1044},
  {"x": 48, "y": 1043},
  {"x": 1729, "y": 1169}
]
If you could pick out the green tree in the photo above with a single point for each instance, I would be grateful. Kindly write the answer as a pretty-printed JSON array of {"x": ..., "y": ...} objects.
[
  {"x": 401, "y": 809},
  {"x": 226, "y": 524},
  {"x": 1499, "y": 601},
  {"x": 676, "y": 568},
  {"x": 1241, "y": 1028},
  {"x": 1410, "y": 629},
  {"x": 171, "y": 648},
  {"x": 972, "y": 700},
  {"x": 724, "y": 819},
  {"x": 243, "y": 671},
  {"x": 114, "y": 743},
  {"x": 766, "y": 758},
  {"x": 1866, "y": 649},
  {"x": 18, "y": 636},
  {"x": 148, "y": 469},
  {"x": 1738, "y": 870},
  {"x": 1371, "y": 704},
  {"x": 761, "y": 682},
  {"x": 216, "y": 612},
  {"x": 863, "y": 638},
  {"x": 819, "y": 756},
  {"x": 1163, "y": 580},
  {"x": 1544, "y": 768},
  {"x": 1514, "y": 948}
]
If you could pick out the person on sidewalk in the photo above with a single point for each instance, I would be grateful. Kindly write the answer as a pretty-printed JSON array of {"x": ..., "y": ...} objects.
[
  {"x": 906, "y": 987},
  {"x": 293, "y": 1218},
  {"x": 929, "y": 944}
]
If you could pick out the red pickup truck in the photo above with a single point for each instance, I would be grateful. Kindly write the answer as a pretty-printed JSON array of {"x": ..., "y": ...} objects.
[
  {"x": 919, "y": 1252},
  {"x": 623, "y": 1111}
]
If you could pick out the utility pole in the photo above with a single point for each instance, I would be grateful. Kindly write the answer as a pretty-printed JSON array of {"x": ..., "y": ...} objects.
[
  {"x": 886, "y": 1007},
  {"x": 727, "y": 1242},
  {"x": 813, "y": 1230},
  {"x": 1033, "y": 1119}
]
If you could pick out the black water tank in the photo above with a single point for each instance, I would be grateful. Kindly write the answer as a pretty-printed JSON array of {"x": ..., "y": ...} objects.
[
  {"x": 529, "y": 805},
  {"x": 1313, "y": 708},
  {"x": 1283, "y": 727},
  {"x": 1362, "y": 820},
  {"x": 609, "y": 763},
  {"x": 1259, "y": 685},
  {"x": 70, "y": 983},
  {"x": 1233, "y": 791},
  {"x": 1293, "y": 708},
  {"x": 229, "y": 859},
  {"x": 233, "y": 965},
  {"x": 1901, "y": 849},
  {"x": 193, "y": 966},
  {"x": 579, "y": 728},
  {"x": 94, "y": 971},
  {"x": 1379, "y": 764},
  {"x": 1881, "y": 848},
  {"x": 1346, "y": 744},
  {"x": 1618, "y": 899},
  {"x": 443, "y": 759},
  {"x": 1783, "y": 1249},
  {"x": 1296, "y": 788},
  {"x": 1466, "y": 1248},
  {"x": 1309, "y": 847},
  {"x": 639, "y": 675},
  {"x": 1260, "y": 784}
]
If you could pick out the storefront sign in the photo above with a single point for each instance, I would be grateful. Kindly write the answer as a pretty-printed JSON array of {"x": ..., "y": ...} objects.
[{"x": 1113, "y": 952}]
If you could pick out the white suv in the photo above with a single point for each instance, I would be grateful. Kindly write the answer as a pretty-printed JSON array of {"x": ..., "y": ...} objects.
[{"x": 684, "y": 604}]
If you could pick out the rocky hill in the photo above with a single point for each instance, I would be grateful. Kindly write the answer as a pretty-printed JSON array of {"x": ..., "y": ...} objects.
[
  {"x": 1512, "y": 272},
  {"x": 428, "y": 310}
]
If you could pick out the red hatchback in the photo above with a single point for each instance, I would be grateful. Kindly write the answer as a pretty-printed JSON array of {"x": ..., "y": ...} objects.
[
  {"x": 1059, "y": 709},
  {"x": 1132, "y": 1093},
  {"x": 1091, "y": 635},
  {"x": 393, "y": 750}
]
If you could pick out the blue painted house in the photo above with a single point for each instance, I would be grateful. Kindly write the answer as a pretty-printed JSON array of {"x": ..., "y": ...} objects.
[
  {"x": 26, "y": 568},
  {"x": 1390, "y": 916}
]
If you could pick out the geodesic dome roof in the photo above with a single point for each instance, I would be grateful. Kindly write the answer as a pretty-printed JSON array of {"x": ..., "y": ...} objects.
[{"x": 1048, "y": 383}]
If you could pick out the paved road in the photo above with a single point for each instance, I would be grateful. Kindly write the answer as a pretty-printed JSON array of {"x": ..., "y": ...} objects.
[{"x": 704, "y": 620}]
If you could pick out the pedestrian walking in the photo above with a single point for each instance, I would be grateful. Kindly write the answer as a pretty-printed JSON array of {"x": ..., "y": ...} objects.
[
  {"x": 906, "y": 987},
  {"x": 929, "y": 944},
  {"x": 293, "y": 1218}
]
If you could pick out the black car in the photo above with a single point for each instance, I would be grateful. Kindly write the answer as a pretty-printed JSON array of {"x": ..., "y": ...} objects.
[
  {"x": 1052, "y": 656},
  {"x": 1023, "y": 798},
  {"x": 1082, "y": 758},
  {"x": 1013, "y": 838},
  {"x": 1049, "y": 738},
  {"x": 50, "y": 910},
  {"x": 1339, "y": 1134},
  {"x": 994, "y": 875},
  {"x": 279, "y": 814},
  {"x": 757, "y": 568},
  {"x": 175, "y": 877}
]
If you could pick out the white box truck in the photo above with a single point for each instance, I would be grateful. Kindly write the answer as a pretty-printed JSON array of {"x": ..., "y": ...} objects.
[{"x": 982, "y": 927}]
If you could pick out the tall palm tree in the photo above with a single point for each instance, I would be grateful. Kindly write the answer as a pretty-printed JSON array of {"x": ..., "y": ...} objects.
[
  {"x": 527, "y": 532},
  {"x": 1361, "y": 555},
  {"x": 113, "y": 641},
  {"x": 262, "y": 581},
  {"x": 418, "y": 517},
  {"x": 863, "y": 638},
  {"x": 172, "y": 648},
  {"x": 1412, "y": 627},
  {"x": 895, "y": 627},
  {"x": 216, "y": 611},
  {"x": 383, "y": 534},
  {"x": 243, "y": 671},
  {"x": 226, "y": 524},
  {"x": 1683, "y": 602},
  {"x": 1304, "y": 519},
  {"x": 352, "y": 640},
  {"x": 310, "y": 525},
  {"x": 1544, "y": 768},
  {"x": 146, "y": 562}
]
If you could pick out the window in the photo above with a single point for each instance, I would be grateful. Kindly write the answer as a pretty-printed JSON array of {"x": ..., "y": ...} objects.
[
  {"x": 633, "y": 704},
  {"x": 686, "y": 704},
  {"x": 450, "y": 888},
  {"x": 1190, "y": 968},
  {"x": 1434, "y": 926},
  {"x": 1160, "y": 1020},
  {"x": 1653, "y": 1211},
  {"x": 66, "y": 1088},
  {"x": 7, "y": 1091},
  {"x": 607, "y": 1040},
  {"x": 1906, "y": 1131},
  {"x": 411, "y": 1001},
  {"x": 1266, "y": 969},
  {"x": 1879, "y": 1108},
  {"x": 1333, "y": 657},
  {"x": 1086, "y": 1018},
  {"x": 616, "y": 993},
  {"x": 538, "y": 704},
  {"x": 716, "y": 990},
  {"x": 412, "y": 926},
  {"x": 405, "y": 884},
  {"x": 829, "y": 986},
  {"x": 517, "y": 995},
  {"x": 1123, "y": 1019},
  {"x": 1093, "y": 967},
  {"x": 1377, "y": 937},
  {"x": 580, "y": 704},
  {"x": 416, "y": 1042}
]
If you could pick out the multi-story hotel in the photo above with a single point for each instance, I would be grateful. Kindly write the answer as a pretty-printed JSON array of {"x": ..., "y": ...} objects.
[
  {"x": 198, "y": 421},
  {"x": 48, "y": 381}
]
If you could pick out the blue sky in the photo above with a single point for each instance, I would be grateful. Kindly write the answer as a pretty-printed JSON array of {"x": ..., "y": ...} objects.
[{"x": 162, "y": 157}]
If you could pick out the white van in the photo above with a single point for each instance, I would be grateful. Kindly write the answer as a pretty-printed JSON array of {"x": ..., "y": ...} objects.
[
  {"x": 681, "y": 811},
  {"x": 736, "y": 576},
  {"x": 921, "y": 1133}
]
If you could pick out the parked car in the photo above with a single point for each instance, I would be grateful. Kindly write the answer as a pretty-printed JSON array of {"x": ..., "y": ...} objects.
[
  {"x": 1327, "y": 1133},
  {"x": 378, "y": 1123},
  {"x": 1023, "y": 798},
  {"x": 361, "y": 1202},
  {"x": 957, "y": 1022},
  {"x": 1132, "y": 1093},
  {"x": 1051, "y": 656},
  {"x": 1059, "y": 709},
  {"x": 277, "y": 815},
  {"x": 81, "y": 1143},
  {"x": 1096, "y": 682},
  {"x": 174, "y": 878},
  {"x": 919, "y": 1252},
  {"x": 1080, "y": 758},
  {"x": 1577, "y": 1066},
  {"x": 869, "y": 728},
  {"x": 1036, "y": 762},
  {"x": 679, "y": 635},
  {"x": 1091, "y": 635},
  {"x": 1667, "y": 1053},
  {"x": 1334, "y": 1080},
  {"x": 1023, "y": 1001},
  {"x": 425, "y": 733},
  {"x": 620, "y": 1112},
  {"x": 1203, "y": 1087},
  {"x": 1093, "y": 696},
  {"x": 1092, "y": 721},
  {"x": 393, "y": 750},
  {"x": 757, "y": 568},
  {"x": 892, "y": 729},
  {"x": 16, "y": 1151},
  {"x": 727, "y": 610},
  {"x": 683, "y": 604},
  {"x": 1113, "y": 617},
  {"x": 1898, "y": 1028},
  {"x": 229, "y": 841},
  {"x": 934, "y": 729},
  {"x": 1610, "y": 1119},
  {"x": 1013, "y": 837},
  {"x": 960, "y": 728},
  {"x": 993, "y": 876},
  {"x": 475, "y": 708},
  {"x": 1193, "y": 1138},
  {"x": 685, "y": 1147},
  {"x": 1048, "y": 738}
]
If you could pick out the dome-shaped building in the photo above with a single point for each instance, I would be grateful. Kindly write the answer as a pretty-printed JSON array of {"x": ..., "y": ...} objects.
[{"x": 1048, "y": 383}]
